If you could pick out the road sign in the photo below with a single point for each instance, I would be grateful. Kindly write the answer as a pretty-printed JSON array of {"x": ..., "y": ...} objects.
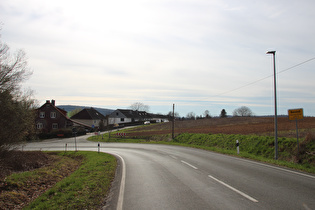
[
  {"x": 120, "y": 134},
  {"x": 295, "y": 114}
]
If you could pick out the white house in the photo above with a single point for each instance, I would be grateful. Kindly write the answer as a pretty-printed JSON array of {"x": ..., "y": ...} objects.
[{"x": 121, "y": 116}]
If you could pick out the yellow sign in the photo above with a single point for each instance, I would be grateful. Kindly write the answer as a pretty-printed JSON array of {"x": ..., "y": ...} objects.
[{"x": 295, "y": 114}]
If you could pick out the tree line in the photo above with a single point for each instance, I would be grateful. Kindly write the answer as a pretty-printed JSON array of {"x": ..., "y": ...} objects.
[{"x": 242, "y": 111}]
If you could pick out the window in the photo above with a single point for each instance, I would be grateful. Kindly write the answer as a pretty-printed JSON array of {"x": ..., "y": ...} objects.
[
  {"x": 53, "y": 114},
  {"x": 55, "y": 125},
  {"x": 42, "y": 115},
  {"x": 122, "y": 119},
  {"x": 39, "y": 125}
]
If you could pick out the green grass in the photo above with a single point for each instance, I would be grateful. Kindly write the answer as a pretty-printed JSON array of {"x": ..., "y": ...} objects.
[
  {"x": 254, "y": 147},
  {"x": 86, "y": 188}
]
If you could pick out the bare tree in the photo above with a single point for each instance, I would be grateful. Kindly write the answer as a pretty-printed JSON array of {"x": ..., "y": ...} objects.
[
  {"x": 206, "y": 114},
  {"x": 138, "y": 106},
  {"x": 17, "y": 107},
  {"x": 243, "y": 111},
  {"x": 170, "y": 115},
  {"x": 14, "y": 69},
  {"x": 191, "y": 115}
]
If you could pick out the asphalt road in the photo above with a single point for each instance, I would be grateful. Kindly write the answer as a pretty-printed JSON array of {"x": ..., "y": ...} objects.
[{"x": 172, "y": 177}]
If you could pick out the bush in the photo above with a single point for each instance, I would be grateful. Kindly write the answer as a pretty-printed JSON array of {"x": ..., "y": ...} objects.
[
  {"x": 307, "y": 149},
  {"x": 61, "y": 133}
]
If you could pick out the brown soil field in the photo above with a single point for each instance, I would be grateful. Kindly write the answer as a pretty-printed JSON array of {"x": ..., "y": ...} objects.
[{"x": 234, "y": 125}]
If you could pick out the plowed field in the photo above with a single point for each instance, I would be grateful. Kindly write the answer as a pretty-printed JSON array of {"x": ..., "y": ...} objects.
[{"x": 235, "y": 125}]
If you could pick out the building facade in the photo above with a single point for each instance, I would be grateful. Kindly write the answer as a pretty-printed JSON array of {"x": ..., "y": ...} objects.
[
  {"x": 49, "y": 118},
  {"x": 90, "y": 117}
]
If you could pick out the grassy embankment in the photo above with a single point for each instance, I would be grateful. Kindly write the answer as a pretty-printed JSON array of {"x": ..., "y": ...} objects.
[
  {"x": 85, "y": 188},
  {"x": 251, "y": 146}
]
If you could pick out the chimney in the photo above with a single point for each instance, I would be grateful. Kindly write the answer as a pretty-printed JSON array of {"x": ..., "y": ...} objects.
[
  {"x": 53, "y": 102},
  {"x": 47, "y": 101}
]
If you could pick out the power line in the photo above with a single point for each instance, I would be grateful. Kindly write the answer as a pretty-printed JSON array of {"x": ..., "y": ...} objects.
[
  {"x": 256, "y": 81},
  {"x": 296, "y": 65}
]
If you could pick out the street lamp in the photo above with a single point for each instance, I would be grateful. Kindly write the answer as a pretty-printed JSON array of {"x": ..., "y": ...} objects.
[{"x": 275, "y": 93}]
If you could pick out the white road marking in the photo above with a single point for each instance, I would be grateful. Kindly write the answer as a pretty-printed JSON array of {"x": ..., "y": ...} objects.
[
  {"x": 172, "y": 156},
  {"x": 306, "y": 207},
  {"x": 235, "y": 190},
  {"x": 279, "y": 168},
  {"x": 194, "y": 167},
  {"x": 122, "y": 183}
]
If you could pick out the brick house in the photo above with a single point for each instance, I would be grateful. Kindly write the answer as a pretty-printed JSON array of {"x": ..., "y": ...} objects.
[{"x": 49, "y": 118}]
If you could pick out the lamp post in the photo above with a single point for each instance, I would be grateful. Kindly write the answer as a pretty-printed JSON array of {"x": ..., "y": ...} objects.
[{"x": 275, "y": 94}]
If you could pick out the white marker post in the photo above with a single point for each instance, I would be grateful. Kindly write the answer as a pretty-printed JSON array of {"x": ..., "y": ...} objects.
[{"x": 238, "y": 147}]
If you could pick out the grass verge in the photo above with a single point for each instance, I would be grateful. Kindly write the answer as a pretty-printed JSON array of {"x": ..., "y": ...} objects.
[
  {"x": 88, "y": 179},
  {"x": 86, "y": 188}
]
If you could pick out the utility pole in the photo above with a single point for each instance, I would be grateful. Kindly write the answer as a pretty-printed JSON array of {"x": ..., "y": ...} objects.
[
  {"x": 275, "y": 95},
  {"x": 173, "y": 123},
  {"x": 108, "y": 127}
]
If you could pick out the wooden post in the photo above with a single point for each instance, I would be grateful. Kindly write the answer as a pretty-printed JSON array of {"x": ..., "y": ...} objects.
[{"x": 173, "y": 123}]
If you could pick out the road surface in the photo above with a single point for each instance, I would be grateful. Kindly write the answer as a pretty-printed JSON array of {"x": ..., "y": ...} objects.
[{"x": 173, "y": 177}]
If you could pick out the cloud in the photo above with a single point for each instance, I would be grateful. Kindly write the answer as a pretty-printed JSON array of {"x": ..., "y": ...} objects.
[{"x": 195, "y": 53}]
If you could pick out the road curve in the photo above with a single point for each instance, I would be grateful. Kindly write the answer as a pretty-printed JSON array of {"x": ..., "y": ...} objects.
[{"x": 174, "y": 177}]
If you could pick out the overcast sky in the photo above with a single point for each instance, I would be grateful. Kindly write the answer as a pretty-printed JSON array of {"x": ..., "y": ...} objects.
[{"x": 197, "y": 54}]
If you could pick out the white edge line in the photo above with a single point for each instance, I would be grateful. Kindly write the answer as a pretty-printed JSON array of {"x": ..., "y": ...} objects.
[
  {"x": 122, "y": 184},
  {"x": 189, "y": 164},
  {"x": 174, "y": 157},
  {"x": 235, "y": 190},
  {"x": 279, "y": 168}
]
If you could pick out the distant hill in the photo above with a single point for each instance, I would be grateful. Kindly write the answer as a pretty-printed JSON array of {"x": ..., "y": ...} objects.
[{"x": 69, "y": 108}]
